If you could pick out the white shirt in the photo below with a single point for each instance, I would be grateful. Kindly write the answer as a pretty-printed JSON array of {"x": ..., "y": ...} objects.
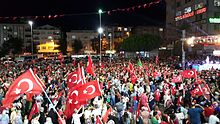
[
  {"x": 76, "y": 118},
  {"x": 87, "y": 114},
  {"x": 213, "y": 119}
]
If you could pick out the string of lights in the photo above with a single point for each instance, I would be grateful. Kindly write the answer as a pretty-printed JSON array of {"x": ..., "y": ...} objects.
[{"x": 109, "y": 12}]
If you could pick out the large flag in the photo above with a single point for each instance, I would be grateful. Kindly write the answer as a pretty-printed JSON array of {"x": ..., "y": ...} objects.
[
  {"x": 72, "y": 104},
  {"x": 197, "y": 91},
  {"x": 86, "y": 92},
  {"x": 189, "y": 73},
  {"x": 26, "y": 83},
  {"x": 34, "y": 111},
  {"x": 177, "y": 79},
  {"x": 76, "y": 78},
  {"x": 89, "y": 68}
]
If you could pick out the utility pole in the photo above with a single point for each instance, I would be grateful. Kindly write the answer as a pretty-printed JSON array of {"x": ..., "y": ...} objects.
[{"x": 183, "y": 51}]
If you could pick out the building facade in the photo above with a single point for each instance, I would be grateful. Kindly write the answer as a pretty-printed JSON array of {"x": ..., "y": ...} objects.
[
  {"x": 152, "y": 30},
  {"x": 42, "y": 34},
  {"x": 22, "y": 31},
  {"x": 194, "y": 16},
  {"x": 85, "y": 36},
  {"x": 114, "y": 35}
]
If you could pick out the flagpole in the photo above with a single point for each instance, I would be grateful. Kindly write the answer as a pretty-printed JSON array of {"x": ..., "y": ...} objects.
[{"x": 46, "y": 94}]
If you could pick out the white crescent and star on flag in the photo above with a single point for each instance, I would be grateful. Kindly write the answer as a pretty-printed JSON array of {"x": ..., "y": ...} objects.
[
  {"x": 30, "y": 85},
  {"x": 77, "y": 94},
  {"x": 90, "y": 86}
]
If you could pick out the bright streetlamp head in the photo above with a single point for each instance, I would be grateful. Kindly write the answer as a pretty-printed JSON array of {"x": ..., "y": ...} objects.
[
  {"x": 100, "y": 11},
  {"x": 30, "y": 22},
  {"x": 100, "y": 30}
]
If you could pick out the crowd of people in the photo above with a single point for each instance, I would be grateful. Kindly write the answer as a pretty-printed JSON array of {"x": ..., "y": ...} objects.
[{"x": 150, "y": 99}]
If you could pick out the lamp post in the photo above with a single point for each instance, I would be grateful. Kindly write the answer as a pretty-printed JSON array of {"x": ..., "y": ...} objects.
[
  {"x": 183, "y": 51},
  {"x": 100, "y": 30},
  {"x": 110, "y": 48},
  {"x": 32, "y": 45}
]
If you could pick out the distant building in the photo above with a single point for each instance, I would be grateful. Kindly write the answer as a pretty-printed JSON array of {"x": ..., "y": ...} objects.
[
  {"x": 22, "y": 31},
  {"x": 115, "y": 35},
  {"x": 85, "y": 36},
  {"x": 43, "y": 33},
  {"x": 153, "y": 30}
]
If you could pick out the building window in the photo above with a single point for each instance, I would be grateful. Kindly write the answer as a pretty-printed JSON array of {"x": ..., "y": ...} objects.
[
  {"x": 216, "y": 2},
  {"x": 73, "y": 37}
]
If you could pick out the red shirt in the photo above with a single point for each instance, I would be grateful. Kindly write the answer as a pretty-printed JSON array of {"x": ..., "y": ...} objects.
[{"x": 208, "y": 111}]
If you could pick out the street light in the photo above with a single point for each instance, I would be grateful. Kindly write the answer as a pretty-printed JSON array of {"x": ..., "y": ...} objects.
[
  {"x": 32, "y": 45},
  {"x": 100, "y": 30}
]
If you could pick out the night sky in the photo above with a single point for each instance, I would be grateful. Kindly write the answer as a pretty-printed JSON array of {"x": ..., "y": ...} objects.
[{"x": 85, "y": 10}]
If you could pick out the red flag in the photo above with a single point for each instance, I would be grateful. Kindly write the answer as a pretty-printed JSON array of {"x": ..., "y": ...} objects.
[
  {"x": 105, "y": 116},
  {"x": 98, "y": 120},
  {"x": 206, "y": 89},
  {"x": 130, "y": 67},
  {"x": 71, "y": 105},
  {"x": 89, "y": 68},
  {"x": 101, "y": 65},
  {"x": 157, "y": 60},
  {"x": 26, "y": 83},
  {"x": 76, "y": 78},
  {"x": 189, "y": 73},
  {"x": 138, "y": 113},
  {"x": 133, "y": 78},
  {"x": 33, "y": 111},
  {"x": 177, "y": 79},
  {"x": 86, "y": 92},
  {"x": 173, "y": 90},
  {"x": 197, "y": 91},
  {"x": 156, "y": 74}
]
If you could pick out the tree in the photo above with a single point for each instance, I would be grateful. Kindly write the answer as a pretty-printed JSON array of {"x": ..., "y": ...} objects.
[
  {"x": 63, "y": 44},
  {"x": 77, "y": 45},
  {"x": 95, "y": 44},
  {"x": 13, "y": 45},
  {"x": 145, "y": 42}
]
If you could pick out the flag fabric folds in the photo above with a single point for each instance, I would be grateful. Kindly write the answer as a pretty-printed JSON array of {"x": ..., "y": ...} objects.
[
  {"x": 27, "y": 83},
  {"x": 189, "y": 73},
  {"x": 89, "y": 68}
]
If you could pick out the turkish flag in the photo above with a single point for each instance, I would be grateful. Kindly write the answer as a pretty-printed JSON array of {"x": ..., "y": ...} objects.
[
  {"x": 189, "y": 73},
  {"x": 197, "y": 91},
  {"x": 98, "y": 120},
  {"x": 76, "y": 78},
  {"x": 177, "y": 79},
  {"x": 173, "y": 90},
  {"x": 130, "y": 66},
  {"x": 27, "y": 83},
  {"x": 105, "y": 116},
  {"x": 89, "y": 68},
  {"x": 33, "y": 111},
  {"x": 71, "y": 105},
  {"x": 133, "y": 78},
  {"x": 157, "y": 95},
  {"x": 86, "y": 92},
  {"x": 206, "y": 89}
]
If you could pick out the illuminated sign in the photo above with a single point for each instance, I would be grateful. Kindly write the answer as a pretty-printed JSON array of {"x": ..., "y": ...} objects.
[
  {"x": 214, "y": 20},
  {"x": 187, "y": 15},
  {"x": 199, "y": 11}
]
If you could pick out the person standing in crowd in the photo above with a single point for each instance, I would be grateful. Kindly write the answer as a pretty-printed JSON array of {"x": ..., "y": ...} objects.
[
  {"x": 195, "y": 114},
  {"x": 213, "y": 119},
  {"x": 4, "y": 118}
]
